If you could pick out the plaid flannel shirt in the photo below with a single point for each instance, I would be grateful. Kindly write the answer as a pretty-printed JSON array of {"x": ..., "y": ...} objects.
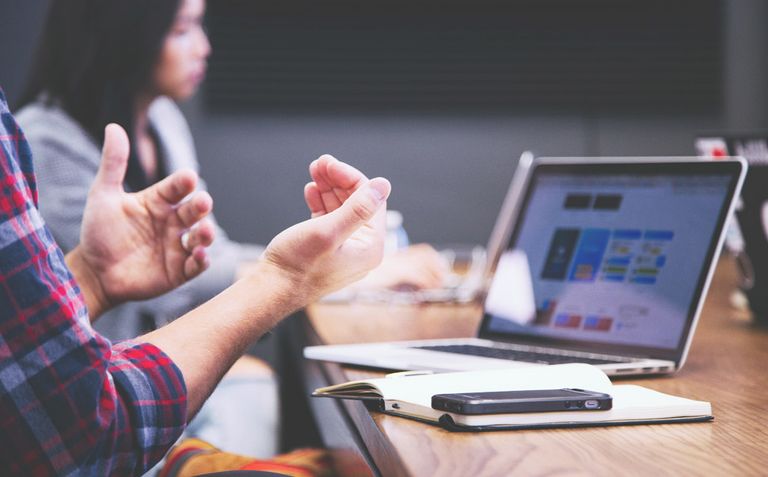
[{"x": 70, "y": 402}]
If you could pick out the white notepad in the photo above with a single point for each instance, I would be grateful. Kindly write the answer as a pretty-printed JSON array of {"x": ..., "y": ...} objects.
[{"x": 409, "y": 395}]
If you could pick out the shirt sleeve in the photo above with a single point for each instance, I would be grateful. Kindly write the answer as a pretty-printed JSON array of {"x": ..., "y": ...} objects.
[{"x": 70, "y": 403}]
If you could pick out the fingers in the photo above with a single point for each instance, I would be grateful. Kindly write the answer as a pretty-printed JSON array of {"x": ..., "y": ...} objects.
[
  {"x": 335, "y": 180},
  {"x": 314, "y": 200},
  {"x": 196, "y": 263},
  {"x": 331, "y": 200},
  {"x": 433, "y": 265},
  {"x": 432, "y": 277},
  {"x": 324, "y": 198},
  {"x": 405, "y": 279},
  {"x": 114, "y": 158},
  {"x": 344, "y": 176},
  {"x": 195, "y": 209},
  {"x": 201, "y": 235},
  {"x": 174, "y": 188},
  {"x": 361, "y": 207},
  {"x": 418, "y": 281},
  {"x": 317, "y": 170},
  {"x": 417, "y": 267},
  {"x": 195, "y": 242}
]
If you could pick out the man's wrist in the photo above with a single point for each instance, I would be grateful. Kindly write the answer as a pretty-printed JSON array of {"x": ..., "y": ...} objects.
[
  {"x": 90, "y": 286},
  {"x": 288, "y": 290}
]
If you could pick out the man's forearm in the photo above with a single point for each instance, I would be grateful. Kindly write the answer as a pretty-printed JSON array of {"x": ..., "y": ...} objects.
[
  {"x": 90, "y": 286},
  {"x": 205, "y": 342},
  {"x": 308, "y": 260}
]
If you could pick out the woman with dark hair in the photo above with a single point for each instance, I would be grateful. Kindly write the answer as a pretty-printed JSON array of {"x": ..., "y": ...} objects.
[
  {"x": 103, "y": 61},
  {"x": 126, "y": 62}
]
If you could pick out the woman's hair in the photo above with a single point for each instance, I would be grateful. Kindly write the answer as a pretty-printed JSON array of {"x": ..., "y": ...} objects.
[{"x": 95, "y": 57}]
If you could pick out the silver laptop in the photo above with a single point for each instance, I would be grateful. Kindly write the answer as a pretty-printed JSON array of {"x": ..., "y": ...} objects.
[{"x": 604, "y": 261}]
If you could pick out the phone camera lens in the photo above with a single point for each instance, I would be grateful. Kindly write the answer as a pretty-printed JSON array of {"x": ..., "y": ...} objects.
[{"x": 591, "y": 404}]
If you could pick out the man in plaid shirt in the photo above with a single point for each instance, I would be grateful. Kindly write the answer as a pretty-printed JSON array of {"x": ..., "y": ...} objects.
[{"x": 71, "y": 403}]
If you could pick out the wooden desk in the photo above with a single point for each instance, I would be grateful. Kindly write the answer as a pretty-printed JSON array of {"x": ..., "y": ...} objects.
[{"x": 727, "y": 365}]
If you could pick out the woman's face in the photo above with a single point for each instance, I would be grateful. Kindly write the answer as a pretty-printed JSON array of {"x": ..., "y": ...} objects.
[{"x": 183, "y": 58}]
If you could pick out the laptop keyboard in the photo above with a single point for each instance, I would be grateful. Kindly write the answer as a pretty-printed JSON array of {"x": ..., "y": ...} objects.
[{"x": 519, "y": 355}]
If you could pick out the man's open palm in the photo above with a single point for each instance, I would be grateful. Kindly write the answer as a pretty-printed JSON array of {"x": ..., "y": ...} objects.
[
  {"x": 132, "y": 242},
  {"x": 343, "y": 240}
]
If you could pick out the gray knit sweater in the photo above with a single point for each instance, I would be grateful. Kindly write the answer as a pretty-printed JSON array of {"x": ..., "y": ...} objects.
[{"x": 66, "y": 159}]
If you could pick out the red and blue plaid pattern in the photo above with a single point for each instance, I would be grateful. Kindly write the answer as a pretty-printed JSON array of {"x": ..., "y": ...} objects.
[{"x": 70, "y": 402}]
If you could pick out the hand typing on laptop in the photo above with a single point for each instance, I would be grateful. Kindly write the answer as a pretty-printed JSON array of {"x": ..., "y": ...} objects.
[
  {"x": 416, "y": 267},
  {"x": 420, "y": 274}
]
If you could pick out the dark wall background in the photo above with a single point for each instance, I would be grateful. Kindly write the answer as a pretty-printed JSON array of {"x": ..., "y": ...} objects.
[{"x": 449, "y": 160}]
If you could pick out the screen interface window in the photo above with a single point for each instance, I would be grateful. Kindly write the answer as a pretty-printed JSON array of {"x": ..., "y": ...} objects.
[{"x": 613, "y": 259}]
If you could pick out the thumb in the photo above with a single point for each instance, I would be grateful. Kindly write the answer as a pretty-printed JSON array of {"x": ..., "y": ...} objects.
[
  {"x": 359, "y": 208},
  {"x": 114, "y": 158}
]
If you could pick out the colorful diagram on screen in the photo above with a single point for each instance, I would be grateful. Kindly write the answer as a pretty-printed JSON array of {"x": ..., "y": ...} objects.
[
  {"x": 636, "y": 256},
  {"x": 545, "y": 316}
]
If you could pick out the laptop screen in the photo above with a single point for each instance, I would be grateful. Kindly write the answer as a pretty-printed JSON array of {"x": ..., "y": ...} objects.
[{"x": 614, "y": 257}]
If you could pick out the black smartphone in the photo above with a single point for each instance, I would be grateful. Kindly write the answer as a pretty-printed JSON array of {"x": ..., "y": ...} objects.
[{"x": 540, "y": 400}]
